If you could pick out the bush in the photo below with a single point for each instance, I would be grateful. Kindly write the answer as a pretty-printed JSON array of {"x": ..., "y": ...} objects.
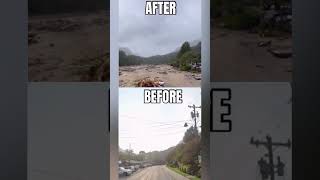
[
  {"x": 186, "y": 59},
  {"x": 185, "y": 67}
]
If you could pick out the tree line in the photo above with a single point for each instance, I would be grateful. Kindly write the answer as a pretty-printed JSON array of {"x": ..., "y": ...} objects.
[
  {"x": 186, "y": 155},
  {"x": 182, "y": 59}
]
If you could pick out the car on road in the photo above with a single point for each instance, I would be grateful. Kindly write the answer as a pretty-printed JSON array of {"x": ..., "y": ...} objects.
[
  {"x": 132, "y": 168},
  {"x": 124, "y": 172},
  {"x": 137, "y": 167}
]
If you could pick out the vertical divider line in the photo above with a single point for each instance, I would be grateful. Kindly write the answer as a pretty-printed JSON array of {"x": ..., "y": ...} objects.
[
  {"x": 205, "y": 91},
  {"x": 114, "y": 84},
  {"x": 109, "y": 110}
]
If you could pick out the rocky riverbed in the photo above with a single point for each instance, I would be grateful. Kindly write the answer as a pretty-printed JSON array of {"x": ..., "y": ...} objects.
[{"x": 130, "y": 76}]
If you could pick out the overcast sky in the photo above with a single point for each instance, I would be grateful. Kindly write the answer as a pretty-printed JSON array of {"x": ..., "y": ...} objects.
[
  {"x": 150, "y": 127},
  {"x": 153, "y": 35}
]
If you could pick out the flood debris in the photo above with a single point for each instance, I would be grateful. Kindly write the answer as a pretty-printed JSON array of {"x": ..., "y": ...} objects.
[
  {"x": 264, "y": 43},
  {"x": 163, "y": 72},
  {"x": 147, "y": 82},
  {"x": 197, "y": 76},
  {"x": 172, "y": 78},
  {"x": 281, "y": 53}
]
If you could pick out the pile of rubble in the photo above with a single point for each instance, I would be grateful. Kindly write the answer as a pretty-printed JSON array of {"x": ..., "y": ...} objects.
[{"x": 147, "y": 82}]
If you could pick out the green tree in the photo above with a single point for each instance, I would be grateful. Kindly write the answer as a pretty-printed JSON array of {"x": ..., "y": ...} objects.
[
  {"x": 187, "y": 59},
  {"x": 185, "y": 155},
  {"x": 184, "y": 48},
  {"x": 141, "y": 156},
  {"x": 190, "y": 152},
  {"x": 190, "y": 134}
]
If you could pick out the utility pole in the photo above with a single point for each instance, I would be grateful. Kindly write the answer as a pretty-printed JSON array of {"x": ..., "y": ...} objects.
[
  {"x": 268, "y": 169},
  {"x": 194, "y": 114},
  {"x": 130, "y": 158}
]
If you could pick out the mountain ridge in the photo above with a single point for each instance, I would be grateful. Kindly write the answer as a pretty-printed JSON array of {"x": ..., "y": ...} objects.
[{"x": 127, "y": 58}]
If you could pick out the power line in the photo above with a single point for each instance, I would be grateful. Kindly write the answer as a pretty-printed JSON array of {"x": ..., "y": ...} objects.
[
  {"x": 268, "y": 168},
  {"x": 194, "y": 115},
  {"x": 166, "y": 121},
  {"x": 166, "y": 125},
  {"x": 169, "y": 133}
]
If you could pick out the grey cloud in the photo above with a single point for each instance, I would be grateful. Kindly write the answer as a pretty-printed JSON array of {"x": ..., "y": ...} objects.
[{"x": 152, "y": 35}]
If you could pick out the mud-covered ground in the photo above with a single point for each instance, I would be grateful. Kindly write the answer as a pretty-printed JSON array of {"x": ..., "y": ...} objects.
[
  {"x": 69, "y": 47},
  {"x": 245, "y": 56},
  {"x": 172, "y": 77}
]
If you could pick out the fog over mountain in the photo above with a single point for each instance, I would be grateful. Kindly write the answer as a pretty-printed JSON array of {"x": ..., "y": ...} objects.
[
  {"x": 147, "y": 36},
  {"x": 126, "y": 57}
]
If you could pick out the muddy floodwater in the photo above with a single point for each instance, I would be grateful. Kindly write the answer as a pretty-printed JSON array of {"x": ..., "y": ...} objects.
[
  {"x": 69, "y": 47},
  {"x": 170, "y": 76}
]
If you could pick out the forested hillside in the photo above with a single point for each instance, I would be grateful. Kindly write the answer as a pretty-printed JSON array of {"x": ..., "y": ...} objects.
[{"x": 181, "y": 58}]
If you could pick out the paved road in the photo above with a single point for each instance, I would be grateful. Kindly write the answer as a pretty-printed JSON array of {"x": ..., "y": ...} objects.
[{"x": 155, "y": 173}]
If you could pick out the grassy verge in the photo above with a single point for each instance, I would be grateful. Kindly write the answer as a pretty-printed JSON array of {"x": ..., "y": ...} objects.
[{"x": 183, "y": 174}]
